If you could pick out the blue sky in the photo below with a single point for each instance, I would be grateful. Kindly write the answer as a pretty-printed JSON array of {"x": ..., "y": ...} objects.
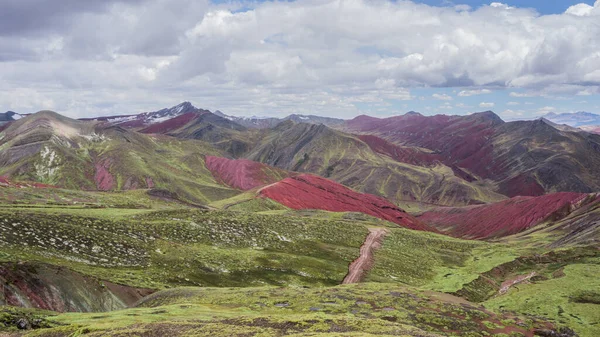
[{"x": 542, "y": 6}]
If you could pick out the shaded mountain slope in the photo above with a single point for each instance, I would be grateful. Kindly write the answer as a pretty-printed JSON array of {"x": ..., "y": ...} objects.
[
  {"x": 218, "y": 131},
  {"x": 312, "y": 192},
  {"x": 346, "y": 159},
  {"x": 503, "y": 218},
  {"x": 523, "y": 158}
]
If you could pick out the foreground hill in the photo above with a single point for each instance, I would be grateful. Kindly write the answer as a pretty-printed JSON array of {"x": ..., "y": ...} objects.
[
  {"x": 522, "y": 158},
  {"x": 354, "y": 310}
]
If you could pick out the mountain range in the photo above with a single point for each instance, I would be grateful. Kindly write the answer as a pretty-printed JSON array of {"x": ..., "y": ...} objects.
[
  {"x": 137, "y": 214},
  {"x": 576, "y": 119}
]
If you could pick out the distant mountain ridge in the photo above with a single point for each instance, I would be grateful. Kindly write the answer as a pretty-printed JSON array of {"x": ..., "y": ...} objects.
[
  {"x": 145, "y": 119},
  {"x": 522, "y": 157},
  {"x": 576, "y": 119},
  {"x": 441, "y": 160},
  {"x": 269, "y": 122}
]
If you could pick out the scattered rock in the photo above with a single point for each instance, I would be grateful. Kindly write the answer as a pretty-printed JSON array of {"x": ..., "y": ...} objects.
[
  {"x": 23, "y": 324},
  {"x": 562, "y": 332}
]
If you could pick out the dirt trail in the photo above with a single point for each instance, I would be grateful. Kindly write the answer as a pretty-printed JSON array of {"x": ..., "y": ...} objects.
[
  {"x": 359, "y": 267},
  {"x": 506, "y": 285}
]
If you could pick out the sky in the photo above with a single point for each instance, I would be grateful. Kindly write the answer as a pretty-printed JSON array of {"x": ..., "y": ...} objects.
[{"x": 337, "y": 58}]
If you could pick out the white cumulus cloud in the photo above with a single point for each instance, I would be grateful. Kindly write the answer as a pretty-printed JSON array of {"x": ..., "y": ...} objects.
[
  {"x": 278, "y": 57},
  {"x": 467, "y": 93},
  {"x": 442, "y": 97}
]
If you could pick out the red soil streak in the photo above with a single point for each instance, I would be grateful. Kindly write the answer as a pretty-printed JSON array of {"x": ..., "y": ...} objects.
[
  {"x": 149, "y": 182},
  {"x": 6, "y": 182},
  {"x": 171, "y": 124},
  {"x": 104, "y": 180},
  {"x": 461, "y": 141},
  {"x": 359, "y": 267},
  {"x": 502, "y": 218},
  {"x": 243, "y": 174},
  {"x": 401, "y": 154},
  {"x": 312, "y": 192}
]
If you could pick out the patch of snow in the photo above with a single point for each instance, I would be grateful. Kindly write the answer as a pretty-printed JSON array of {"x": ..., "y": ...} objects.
[
  {"x": 154, "y": 120},
  {"x": 122, "y": 119},
  {"x": 303, "y": 117},
  {"x": 17, "y": 116}
]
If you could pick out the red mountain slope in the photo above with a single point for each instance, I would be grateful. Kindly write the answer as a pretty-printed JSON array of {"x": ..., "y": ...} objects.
[
  {"x": 502, "y": 218},
  {"x": 312, "y": 192},
  {"x": 243, "y": 174},
  {"x": 524, "y": 157}
]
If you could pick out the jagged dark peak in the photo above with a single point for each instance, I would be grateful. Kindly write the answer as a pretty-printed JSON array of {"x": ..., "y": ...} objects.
[
  {"x": 413, "y": 113},
  {"x": 9, "y": 116},
  {"x": 179, "y": 109}
]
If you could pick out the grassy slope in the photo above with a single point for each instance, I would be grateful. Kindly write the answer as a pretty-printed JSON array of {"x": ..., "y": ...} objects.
[
  {"x": 53, "y": 149},
  {"x": 182, "y": 246},
  {"x": 178, "y": 247},
  {"x": 359, "y": 310}
]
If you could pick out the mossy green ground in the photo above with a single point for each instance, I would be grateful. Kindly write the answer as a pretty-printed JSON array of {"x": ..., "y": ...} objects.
[
  {"x": 132, "y": 239},
  {"x": 361, "y": 309}
]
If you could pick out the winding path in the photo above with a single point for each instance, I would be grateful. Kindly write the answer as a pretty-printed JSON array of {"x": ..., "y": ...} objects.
[{"x": 359, "y": 267}]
